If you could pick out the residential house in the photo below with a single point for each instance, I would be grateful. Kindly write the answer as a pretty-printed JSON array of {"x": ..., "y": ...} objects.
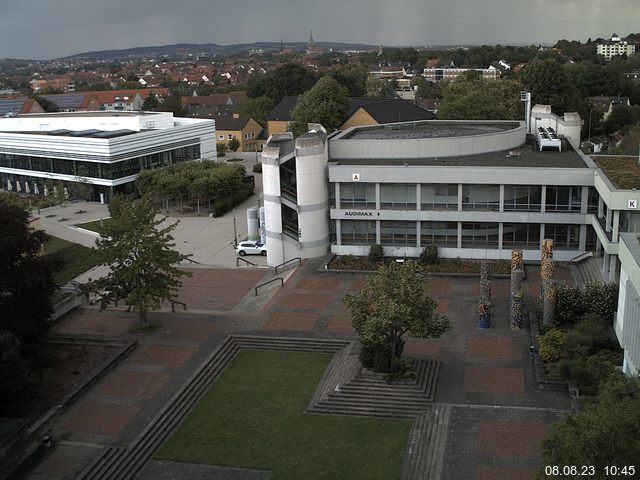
[
  {"x": 607, "y": 104},
  {"x": 244, "y": 128},
  {"x": 215, "y": 105},
  {"x": 17, "y": 106}
]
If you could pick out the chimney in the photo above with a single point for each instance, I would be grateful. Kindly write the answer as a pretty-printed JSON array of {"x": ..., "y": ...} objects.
[{"x": 236, "y": 115}]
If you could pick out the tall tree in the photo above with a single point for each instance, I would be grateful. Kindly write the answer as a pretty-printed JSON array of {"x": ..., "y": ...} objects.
[
  {"x": 141, "y": 257},
  {"x": 605, "y": 433},
  {"x": 549, "y": 85},
  {"x": 26, "y": 281},
  {"x": 473, "y": 98},
  {"x": 257, "y": 108},
  {"x": 289, "y": 79},
  {"x": 392, "y": 304},
  {"x": 326, "y": 103}
]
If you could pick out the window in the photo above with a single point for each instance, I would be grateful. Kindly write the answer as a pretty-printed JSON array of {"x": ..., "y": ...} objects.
[
  {"x": 565, "y": 237},
  {"x": 479, "y": 235},
  {"x": 358, "y": 195},
  {"x": 592, "y": 202},
  {"x": 398, "y": 196},
  {"x": 522, "y": 198},
  {"x": 439, "y": 196},
  {"x": 480, "y": 197},
  {"x": 221, "y": 137},
  {"x": 442, "y": 234},
  {"x": 400, "y": 233},
  {"x": 563, "y": 199},
  {"x": 357, "y": 232},
  {"x": 521, "y": 235},
  {"x": 230, "y": 136}
]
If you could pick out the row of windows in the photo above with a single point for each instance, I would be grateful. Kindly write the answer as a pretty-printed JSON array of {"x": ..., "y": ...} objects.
[
  {"x": 445, "y": 234},
  {"x": 474, "y": 197},
  {"x": 109, "y": 171}
]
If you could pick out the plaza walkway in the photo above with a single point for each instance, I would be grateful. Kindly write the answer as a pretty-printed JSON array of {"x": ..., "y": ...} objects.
[{"x": 498, "y": 414}]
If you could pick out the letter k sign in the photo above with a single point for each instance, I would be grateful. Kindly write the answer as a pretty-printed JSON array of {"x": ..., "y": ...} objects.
[{"x": 633, "y": 204}]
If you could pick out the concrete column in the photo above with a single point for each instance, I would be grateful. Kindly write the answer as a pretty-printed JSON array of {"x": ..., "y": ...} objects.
[
  {"x": 616, "y": 225},
  {"x": 418, "y": 197},
  {"x": 500, "y": 232},
  {"x": 584, "y": 200},
  {"x": 582, "y": 239},
  {"x": 418, "y": 234},
  {"x": 378, "y": 198},
  {"x": 541, "y": 234},
  {"x": 606, "y": 258},
  {"x": 338, "y": 232},
  {"x": 543, "y": 201},
  {"x": 378, "y": 234},
  {"x": 459, "y": 234},
  {"x": 336, "y": 191},
  {"x": 600, "y": 204},
  {"x": 613, "y": 269},
  {"x": 607, "y": 221},
  {"x": 501, "y": 204},
  {"x": 459, "y": 199}
]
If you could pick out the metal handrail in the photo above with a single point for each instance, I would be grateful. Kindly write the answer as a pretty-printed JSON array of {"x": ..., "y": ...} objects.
[
  {"x": 267, "y": 283},
  {"x": 245, "y": 261},
  {"x": 173, "y": 305},
  {"x": 289, "y": 261}
]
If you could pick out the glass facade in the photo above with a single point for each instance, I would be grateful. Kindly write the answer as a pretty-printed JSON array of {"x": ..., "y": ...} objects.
[
  {"x": 481, "y": 197},
  {"x": 439, "y": 196},
  {"x": 357, "y": 232},
  {"x": 522, "y": 198},
  {"x": 104, "y": 170},
  {"x": 563, "y": 199},
  {"x": 358, "y": 195},
  {"x": 398, "y": 233},
  {"x": 565, "y": 237},
  {"x": 398, "y": 196},
  {"x": 480, "y": 235},
  {"x": 522, "y": 235},
  {"x": 442, "y": 234}
]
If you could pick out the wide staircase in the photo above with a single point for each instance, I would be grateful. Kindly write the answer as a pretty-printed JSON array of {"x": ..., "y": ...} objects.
[
  {"x": 363, "y": 392},
  {"x": 115, "y": 463},
  {"x": 589, "y": 270},
  {"x": 424, "y": 457}
]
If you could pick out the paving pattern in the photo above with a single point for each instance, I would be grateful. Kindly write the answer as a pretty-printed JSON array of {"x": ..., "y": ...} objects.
[{"x": 495, "y": 414}]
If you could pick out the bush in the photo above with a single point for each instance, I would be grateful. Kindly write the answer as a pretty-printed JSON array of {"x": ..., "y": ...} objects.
[
  {"x": 376, "y": 253},
  {"x": 588, "y": 372},
  {"x": 16, "y": 380},
  {"x": 569, "y": 305},
  {"x": 600, "y": 299},
  {"x": 550, "y": 345},
  {"x": 257, "y": 168},
  {"x": 429, "y": 255},
  {"x": 379, "y": 357},
  {"x": 221, "y": 149},
  {"x": 221, "y": 206}
]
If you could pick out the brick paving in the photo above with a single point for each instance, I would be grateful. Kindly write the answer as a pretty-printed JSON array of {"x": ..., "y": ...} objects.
[{"x": 498, "y": 416}]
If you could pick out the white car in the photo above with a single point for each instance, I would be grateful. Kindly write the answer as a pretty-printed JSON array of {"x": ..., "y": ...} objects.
[{"x": 251, "y": 248}]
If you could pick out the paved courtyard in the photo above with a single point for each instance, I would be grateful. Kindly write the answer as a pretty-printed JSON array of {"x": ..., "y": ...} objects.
[{"x": 498, "y": 414}]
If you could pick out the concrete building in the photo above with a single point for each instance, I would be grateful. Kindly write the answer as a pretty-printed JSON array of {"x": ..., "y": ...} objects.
[
  {"x": 615, "y": 47},
  {"x": 106, "y": 150},
  {"x": 450, "y": 73}
]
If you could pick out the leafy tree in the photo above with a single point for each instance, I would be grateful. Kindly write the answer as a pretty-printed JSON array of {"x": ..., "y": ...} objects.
[
  {"x": 326, "y": 103},
  {"x": 392, "y": 304},
  {"x": 604, "y": 433},
  {"x": 425, "y": 88},
  {"x": 289, "y": 79},
  {"x": 16, "y": 380},
  {"x": 221, "y": 149},
  {"x": 630, "y": 143},
  {"x": 549, "y": 85},
  {"x": 150, "y": 103},
  {"x": 140, "y": 255},
  {"x": 475, "y": 98},
  {"x": 26, "y": 280},
  {"x": 46, "y": 104},
  {"x": 258, "y": 108},
  {"x": 234, "y": 144},
  {"x": 622, "y": 116},
  {"x": 354, "y": 79}
]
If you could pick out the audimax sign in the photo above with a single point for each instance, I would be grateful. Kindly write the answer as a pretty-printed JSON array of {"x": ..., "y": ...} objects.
[{"x": 361, "y": 213}]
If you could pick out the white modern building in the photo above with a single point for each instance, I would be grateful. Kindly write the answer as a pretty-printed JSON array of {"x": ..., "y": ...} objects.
[
  {"x": 627, "y": 323},
  {"x": 103, "y": 149},
  {"x": 615, "y": 47}
]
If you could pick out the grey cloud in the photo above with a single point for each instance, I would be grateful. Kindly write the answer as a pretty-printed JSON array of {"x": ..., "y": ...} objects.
[{"x": 46, "y": 29}]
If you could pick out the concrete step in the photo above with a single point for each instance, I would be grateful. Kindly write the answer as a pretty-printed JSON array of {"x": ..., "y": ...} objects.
[{"x": 365, "y": 411}]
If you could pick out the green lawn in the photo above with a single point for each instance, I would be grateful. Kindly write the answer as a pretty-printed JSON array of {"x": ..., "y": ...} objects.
[
  {"x": 96, "y": 225},
  {"x": 76, "y": 259},
  {"x": 253, "y": 417}
]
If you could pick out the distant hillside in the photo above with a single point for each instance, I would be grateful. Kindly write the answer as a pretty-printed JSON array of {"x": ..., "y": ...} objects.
[{"x": 210, "y": 49}]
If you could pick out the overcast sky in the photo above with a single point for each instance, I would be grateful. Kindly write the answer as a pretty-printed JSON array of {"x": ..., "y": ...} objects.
[{"x": 44, "y": 29}]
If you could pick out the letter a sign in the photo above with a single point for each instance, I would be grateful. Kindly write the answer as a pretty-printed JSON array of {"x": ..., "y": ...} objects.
[{"x": 355, "y": 177}]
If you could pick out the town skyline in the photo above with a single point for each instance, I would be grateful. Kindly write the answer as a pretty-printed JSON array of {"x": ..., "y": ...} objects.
[{"x": 27, "y": 30}]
